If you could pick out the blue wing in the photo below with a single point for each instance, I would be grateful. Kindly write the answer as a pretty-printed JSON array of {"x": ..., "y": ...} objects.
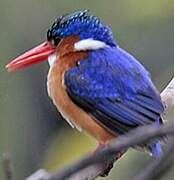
[{"x": 115, "y": 89}]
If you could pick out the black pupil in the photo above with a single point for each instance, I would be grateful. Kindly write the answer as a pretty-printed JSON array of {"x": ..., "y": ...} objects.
[{"x": 55, "y": 41}]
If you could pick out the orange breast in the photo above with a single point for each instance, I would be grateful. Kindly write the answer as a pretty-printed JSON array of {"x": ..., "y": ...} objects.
[{"x": 58, "y": 93}]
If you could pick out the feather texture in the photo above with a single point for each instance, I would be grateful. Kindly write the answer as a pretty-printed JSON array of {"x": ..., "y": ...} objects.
[
  {"x": 117, "y": 85},
  {"x": 115, "y": 89}
]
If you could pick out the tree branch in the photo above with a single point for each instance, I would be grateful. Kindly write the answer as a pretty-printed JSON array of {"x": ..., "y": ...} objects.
[
  {"x": 7, "y": 166},
  {"x": 167, "y": 95}
]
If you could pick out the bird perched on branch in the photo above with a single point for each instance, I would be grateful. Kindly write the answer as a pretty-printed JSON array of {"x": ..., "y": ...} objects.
[{"x": 96, "y": 85}]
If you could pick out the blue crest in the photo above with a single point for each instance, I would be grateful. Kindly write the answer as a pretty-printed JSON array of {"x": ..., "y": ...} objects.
[{"x": 82, "y": 24}]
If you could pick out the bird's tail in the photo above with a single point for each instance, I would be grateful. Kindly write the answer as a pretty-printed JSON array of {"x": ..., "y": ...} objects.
[
  {"x": 155, "y": 149},
  {"x": 155, "y": 146}
]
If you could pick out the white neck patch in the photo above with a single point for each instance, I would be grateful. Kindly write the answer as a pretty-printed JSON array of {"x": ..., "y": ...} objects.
[
  {"x": 52, "y": 59},
  {"x": 83, "y": 45},
  {"x": 89, "y": 44}
]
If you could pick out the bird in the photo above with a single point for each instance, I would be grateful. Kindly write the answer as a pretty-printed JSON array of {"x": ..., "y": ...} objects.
[{"x": 96, "y": 85}]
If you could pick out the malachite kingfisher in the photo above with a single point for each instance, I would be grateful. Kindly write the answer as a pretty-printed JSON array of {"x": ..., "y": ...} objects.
[{"x": 96, "y": 85}]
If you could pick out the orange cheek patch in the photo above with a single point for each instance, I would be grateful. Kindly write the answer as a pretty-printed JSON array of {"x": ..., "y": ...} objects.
[{"x": 66, "y": 45}]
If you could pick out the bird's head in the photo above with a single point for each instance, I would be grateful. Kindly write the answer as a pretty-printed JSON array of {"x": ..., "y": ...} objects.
[{"x": 91, "y": 32}]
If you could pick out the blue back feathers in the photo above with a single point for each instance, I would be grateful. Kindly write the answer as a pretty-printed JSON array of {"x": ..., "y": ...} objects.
[
  {"x": 115, "y": 83},
  {"x": 81, "y": 24},
  {"x": 117, "y": 91}
]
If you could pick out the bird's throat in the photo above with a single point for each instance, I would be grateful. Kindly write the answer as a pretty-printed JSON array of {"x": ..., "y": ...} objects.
[{"x": 51, "y": 59}]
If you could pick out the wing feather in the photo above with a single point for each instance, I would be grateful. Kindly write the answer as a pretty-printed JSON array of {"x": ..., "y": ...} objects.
[{"x": 115, "y": 89}]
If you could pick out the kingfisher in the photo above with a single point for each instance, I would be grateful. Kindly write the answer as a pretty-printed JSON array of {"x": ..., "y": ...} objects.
[{"x": 95, "y": 84}]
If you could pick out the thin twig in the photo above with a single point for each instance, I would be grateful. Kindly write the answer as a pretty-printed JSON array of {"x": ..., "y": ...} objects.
[
  {"x": 7, "y": 166},
  {"x": 167, "y": 95}
]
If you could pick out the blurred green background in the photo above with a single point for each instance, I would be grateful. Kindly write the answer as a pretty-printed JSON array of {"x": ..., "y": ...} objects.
[{"x": 31, "y": 129}]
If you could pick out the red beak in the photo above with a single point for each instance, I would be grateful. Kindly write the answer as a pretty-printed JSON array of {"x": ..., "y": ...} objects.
[{"x": 35, "y": 55}]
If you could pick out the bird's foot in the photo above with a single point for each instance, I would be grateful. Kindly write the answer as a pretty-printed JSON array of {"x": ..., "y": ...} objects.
[{"x": 108, "y": 164}]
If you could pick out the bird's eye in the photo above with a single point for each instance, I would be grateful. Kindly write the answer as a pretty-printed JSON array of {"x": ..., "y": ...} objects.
[{"x": 55, "y": 41}]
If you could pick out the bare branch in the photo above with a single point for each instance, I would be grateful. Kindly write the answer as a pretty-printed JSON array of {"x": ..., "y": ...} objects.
[
  {"x": 7, "y": 166},
  {"x": 167, "y": 95},
  {"x": 40, "y": 174}
]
